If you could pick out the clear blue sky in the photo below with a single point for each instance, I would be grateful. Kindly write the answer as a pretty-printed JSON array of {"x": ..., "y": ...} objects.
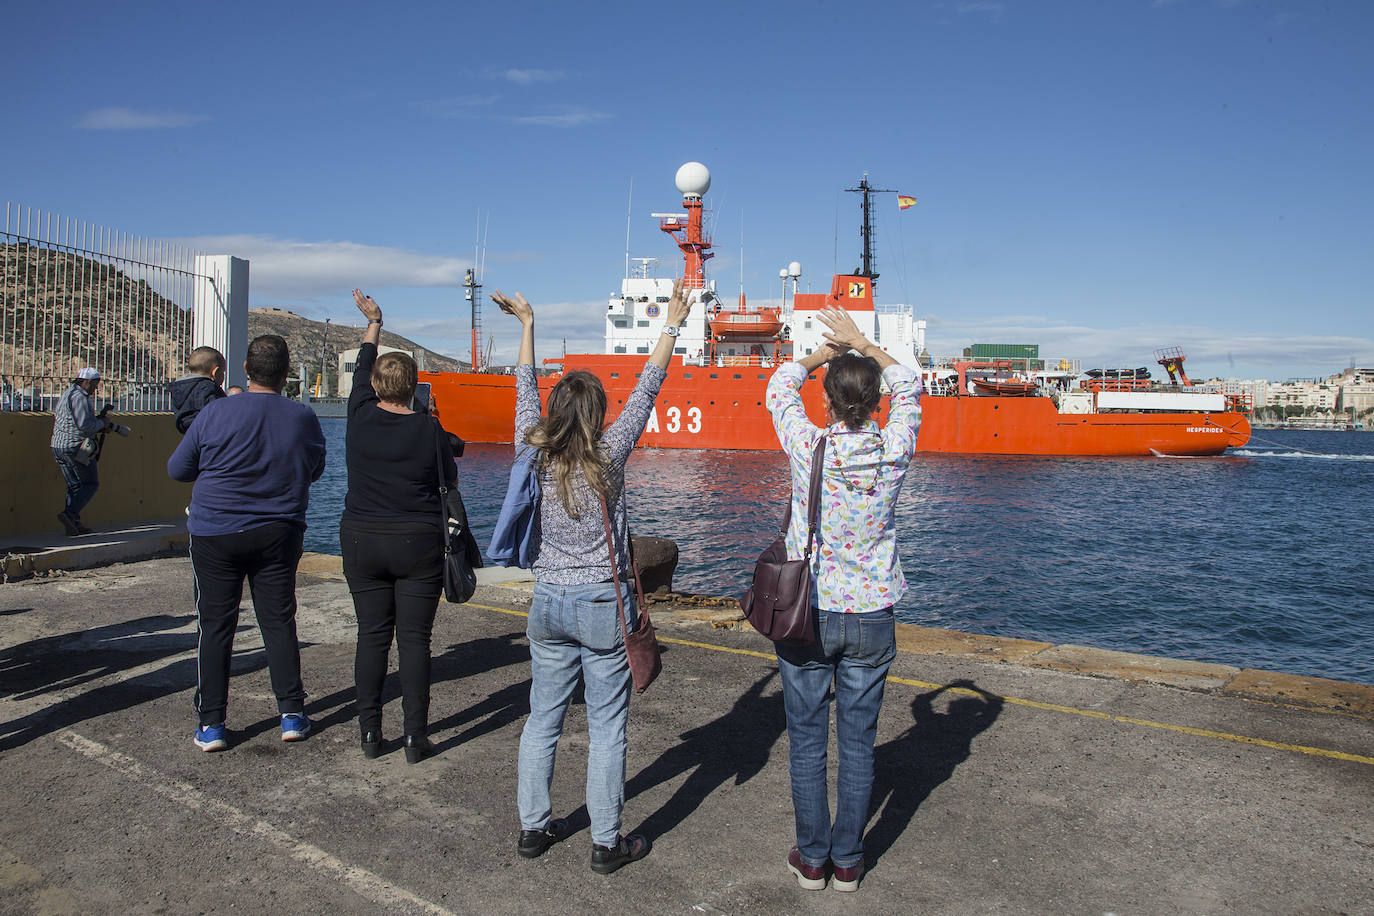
[{"x": 1101, "y": 177}]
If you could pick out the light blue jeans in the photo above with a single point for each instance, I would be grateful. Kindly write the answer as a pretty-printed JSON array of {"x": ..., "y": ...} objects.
[
  {"x": 853, "y": 652},
  {"x": 574, "y": 631}
]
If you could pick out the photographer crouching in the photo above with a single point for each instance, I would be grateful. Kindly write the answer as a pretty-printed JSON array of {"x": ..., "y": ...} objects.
[{"x": 78, "y": 433}]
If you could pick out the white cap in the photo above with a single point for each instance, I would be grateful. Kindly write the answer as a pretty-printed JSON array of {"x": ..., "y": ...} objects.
[{"x": 87, "y": 374}]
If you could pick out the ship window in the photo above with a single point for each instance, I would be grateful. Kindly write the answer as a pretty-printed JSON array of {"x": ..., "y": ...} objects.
[
  {"x": 644, "y": 349},
  {"x": 761, "y": 375},
  {"x": 642, "y": 324},
  {"x": 684, "y": 350},
  {"x": 713, "y": 375},
  {"x": 620, "y": 349},
  {"x": 808, "y": 353},
  {"x": 687, "y": 375},
  {"x": 661, "y": 299},
  {"x": 620, "y": 322},
  {"x": 737, "y": 375},
  {"x": 615, "y": 375},
  {"x": 807, "y": 324}
]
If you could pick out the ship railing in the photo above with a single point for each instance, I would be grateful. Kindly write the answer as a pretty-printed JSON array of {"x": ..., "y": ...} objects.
[
  {"x": 1024, "y": 365},
  {"x": 1240, "y": 403},
  {"x": 763, "y": 362}
]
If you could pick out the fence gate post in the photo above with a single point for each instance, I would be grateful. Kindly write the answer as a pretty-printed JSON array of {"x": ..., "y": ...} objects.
[{"x": 219, "y": 316}]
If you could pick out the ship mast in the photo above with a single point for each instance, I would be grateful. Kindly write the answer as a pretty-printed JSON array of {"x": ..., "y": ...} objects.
[
  {"x": 693, "y": 180},
  {"x": 866, "y": 231}
]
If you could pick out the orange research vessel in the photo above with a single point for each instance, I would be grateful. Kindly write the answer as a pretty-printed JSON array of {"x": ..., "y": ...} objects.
[{"x": 713, "y": 397}]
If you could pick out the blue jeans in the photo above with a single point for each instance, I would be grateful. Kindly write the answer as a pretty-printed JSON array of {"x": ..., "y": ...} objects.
[
  {"x": 82, "y": 480},
  {"x": 854, "y": 652},
  {"x": 574, "y": 631}
]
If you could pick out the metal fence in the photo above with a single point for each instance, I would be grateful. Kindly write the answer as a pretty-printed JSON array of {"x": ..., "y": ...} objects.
[{"x": 75, "y": 294}]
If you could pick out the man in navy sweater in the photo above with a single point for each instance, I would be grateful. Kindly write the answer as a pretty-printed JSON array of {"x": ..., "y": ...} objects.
[{"x": 252, "y": 459}]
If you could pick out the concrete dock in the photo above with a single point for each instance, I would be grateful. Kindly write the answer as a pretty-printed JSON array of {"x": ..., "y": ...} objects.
[{"x": 1012, "y": 776}]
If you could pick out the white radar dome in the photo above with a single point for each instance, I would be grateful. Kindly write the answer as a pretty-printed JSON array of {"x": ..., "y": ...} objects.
[
  {"x": 693, "y": 179},
  {"x": 794, "y": 269}
]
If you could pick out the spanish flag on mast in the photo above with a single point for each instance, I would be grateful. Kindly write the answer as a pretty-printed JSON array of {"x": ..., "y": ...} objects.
[{"x": 903, "y": 201}]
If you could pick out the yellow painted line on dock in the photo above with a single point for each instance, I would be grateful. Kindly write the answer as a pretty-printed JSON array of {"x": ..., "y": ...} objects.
[
  {"x": 1034, "y": 704},
  {"x": 1149, "y": 723}
]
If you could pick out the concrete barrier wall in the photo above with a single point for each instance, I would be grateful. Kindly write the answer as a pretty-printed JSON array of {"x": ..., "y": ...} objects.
[{"x": 134, "y": 486}]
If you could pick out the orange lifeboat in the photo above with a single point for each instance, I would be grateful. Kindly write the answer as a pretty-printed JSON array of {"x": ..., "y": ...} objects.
[{"x": 751, "y": 323}]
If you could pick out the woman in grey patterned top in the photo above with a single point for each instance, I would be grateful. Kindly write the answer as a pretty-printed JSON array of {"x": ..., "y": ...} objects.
[{"x": 574, "y": 627}]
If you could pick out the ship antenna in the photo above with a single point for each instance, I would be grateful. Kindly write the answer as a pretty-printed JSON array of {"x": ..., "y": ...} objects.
[
  {"x": 741, "y": 254},
  {"x": 866, "y": 231},
  {"x": 628, "y": 208}
]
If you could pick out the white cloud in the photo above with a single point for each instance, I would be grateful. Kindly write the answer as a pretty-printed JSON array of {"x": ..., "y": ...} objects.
[
  {"x": 582, "y": 324},
  {"x": 130, "y": 119},
  {"x": 571, "y": 117},
  {"x": 289, "y": 268},
  {"x": 526, "y": 77}
]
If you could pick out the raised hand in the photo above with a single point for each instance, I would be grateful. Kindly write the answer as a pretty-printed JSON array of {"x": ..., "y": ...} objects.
[
  {"x": 367, "y": 305},
  {"x": 678, "y": 307},
  {"x": 843, "y": 333},
  {"x": 517, "y": 306}
]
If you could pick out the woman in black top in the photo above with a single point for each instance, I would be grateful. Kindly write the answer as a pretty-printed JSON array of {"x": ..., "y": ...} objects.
[{"x": 391, "y": 534}]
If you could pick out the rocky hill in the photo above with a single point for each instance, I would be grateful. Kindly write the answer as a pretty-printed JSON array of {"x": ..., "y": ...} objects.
[
  {"x": 60, "y": 311},
  {"x": 305, "y": 337}
]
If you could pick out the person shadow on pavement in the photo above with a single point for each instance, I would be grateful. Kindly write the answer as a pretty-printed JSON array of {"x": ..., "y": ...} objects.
[
  {"x": 909, "y": 767},
  {"x": 457, "y": 661},
  {"x": 69, "y": 660},
  {"x": 735, "y": 746}
]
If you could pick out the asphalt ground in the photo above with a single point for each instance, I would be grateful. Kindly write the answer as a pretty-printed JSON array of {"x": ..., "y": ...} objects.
[{"x": 1002, "y": 786}]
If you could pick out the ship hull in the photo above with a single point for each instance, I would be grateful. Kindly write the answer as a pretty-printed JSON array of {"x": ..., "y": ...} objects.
[{"x": 717, "y": 407}]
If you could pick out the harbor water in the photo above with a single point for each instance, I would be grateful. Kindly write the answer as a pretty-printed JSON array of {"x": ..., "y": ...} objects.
[{"x": 1251, "y": 559}]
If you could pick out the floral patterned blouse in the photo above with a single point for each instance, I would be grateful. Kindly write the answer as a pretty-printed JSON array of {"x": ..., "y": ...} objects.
[{"x": 854, "y": 563}]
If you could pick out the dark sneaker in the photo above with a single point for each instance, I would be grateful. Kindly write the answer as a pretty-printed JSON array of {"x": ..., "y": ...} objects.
[
  {"x": 534, "y": 843},
  {"x": 294, "y": 726},
  {"x": 846, "y": 877},
  {"x": 82, "y": 529},
  {"x": 810, "y": 877},
  {"x": 69, "y": 524},
  {"x": 211, "y": 738},
  {"x": 632, "y": 848}
]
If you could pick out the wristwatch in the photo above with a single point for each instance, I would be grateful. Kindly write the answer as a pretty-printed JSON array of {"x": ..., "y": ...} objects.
[
  {"x": 671, "y": 330},
  {"x": 376, "y": 321}
]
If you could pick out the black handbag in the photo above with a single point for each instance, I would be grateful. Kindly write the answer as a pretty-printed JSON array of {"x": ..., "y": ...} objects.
[
  {"x": 641, "y": 645},
  {"x": 778, "y": 604},
  {"x": 460, "y": 580}
]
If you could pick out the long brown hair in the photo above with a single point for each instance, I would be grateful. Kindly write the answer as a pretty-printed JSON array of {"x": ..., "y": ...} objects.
[{"x": 569, "y": 435}]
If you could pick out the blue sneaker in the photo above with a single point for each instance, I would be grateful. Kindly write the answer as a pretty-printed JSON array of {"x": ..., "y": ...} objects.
[
  {"x": 211, "y": 738},
  {"x": 294, "y": 726}
]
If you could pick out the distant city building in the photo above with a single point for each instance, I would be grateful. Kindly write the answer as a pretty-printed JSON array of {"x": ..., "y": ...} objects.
[
  {"x": 348, "y": 359},
  {"x": 1356, "y": 387}
]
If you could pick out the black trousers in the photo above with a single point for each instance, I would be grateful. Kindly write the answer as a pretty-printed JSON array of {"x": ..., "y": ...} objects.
[
  {"x": 395, "y": 577},
  {"x": 268, "y": 556}
]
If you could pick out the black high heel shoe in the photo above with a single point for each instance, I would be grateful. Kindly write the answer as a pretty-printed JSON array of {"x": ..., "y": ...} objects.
[
  {"x": 418, "y": 747},
  {"x": 372, "y": 745}
]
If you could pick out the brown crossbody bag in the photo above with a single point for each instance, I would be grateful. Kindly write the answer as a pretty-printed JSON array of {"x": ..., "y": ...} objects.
[{"x": 641, "y": 646}]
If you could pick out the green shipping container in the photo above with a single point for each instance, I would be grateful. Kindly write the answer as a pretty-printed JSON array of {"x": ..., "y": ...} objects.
[{"x": 1003, "y": 351}]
